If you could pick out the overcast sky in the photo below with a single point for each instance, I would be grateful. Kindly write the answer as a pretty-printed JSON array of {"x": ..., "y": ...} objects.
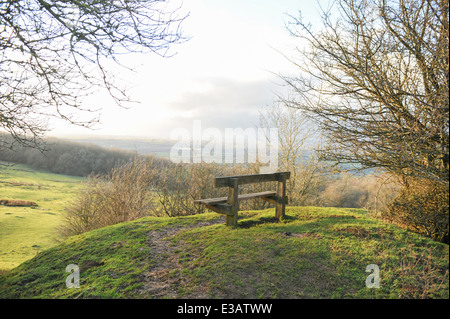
[{"x": 221, "y": 76}]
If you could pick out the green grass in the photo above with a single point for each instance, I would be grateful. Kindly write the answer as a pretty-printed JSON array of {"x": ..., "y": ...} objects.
[
  {"x": 313, "y": 253},
  {"x": 25, "y": 231}
]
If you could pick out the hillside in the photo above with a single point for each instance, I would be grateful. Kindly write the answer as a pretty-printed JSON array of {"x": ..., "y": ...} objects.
[
  {"x": 62, "y": 156},
  {"x": 312, "y": 253}
]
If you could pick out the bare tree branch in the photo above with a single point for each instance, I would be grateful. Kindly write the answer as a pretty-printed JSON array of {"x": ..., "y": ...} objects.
[
  {"x": 376, "y": 80},
  {"x": 55, "y": 53}
]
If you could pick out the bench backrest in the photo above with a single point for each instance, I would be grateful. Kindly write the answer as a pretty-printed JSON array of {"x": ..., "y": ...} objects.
[{"x": 228, "y": 181}]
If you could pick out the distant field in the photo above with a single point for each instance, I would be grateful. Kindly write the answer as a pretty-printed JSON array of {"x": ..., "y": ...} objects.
[
  {"x": 25, "y": 231},
  {"x": 155, "y": 147}
]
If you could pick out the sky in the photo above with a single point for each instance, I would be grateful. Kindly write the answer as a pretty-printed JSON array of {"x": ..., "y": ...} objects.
[{"x": 222, "y": 76}]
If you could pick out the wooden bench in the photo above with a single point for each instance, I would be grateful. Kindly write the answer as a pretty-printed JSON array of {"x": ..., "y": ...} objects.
[{"x": 230, "y": 205}]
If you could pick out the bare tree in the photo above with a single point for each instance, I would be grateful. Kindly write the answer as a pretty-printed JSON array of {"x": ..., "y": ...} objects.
[
  {"x": 375, "y": 78},
  {"x": 297, "y": 141},
  {"x": 54, "y": 53}
]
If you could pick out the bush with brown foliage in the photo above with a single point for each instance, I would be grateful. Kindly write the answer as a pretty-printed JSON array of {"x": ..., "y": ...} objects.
[
  {"x": 16, "y": 202},
  {"x": 373, "y": 191},
  {"x": 123, "y": 195},
  {"x": 422, "y": 206}
]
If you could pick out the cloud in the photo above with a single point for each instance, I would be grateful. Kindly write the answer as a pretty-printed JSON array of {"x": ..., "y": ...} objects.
[
  {"x": 220, "y": 120},
  {"x": 223, "y": 102}
]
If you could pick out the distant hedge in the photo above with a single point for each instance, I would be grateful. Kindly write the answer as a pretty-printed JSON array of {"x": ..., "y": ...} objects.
[{"x": 65, "y": 157}]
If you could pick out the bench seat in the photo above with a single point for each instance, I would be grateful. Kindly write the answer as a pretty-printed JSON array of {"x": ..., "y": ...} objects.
[{"x": 219, "y": 200}]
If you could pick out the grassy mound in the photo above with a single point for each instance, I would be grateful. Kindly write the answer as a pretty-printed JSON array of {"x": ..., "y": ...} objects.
[{"x": 312, "y": 253}]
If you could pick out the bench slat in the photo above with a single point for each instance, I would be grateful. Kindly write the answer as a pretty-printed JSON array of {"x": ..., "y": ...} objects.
[
  {"x": 212, "y": 201},
  {"x": 249, "y": 179}
]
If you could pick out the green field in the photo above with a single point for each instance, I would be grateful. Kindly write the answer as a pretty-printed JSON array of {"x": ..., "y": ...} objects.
[{"x": 25, "y": 231}]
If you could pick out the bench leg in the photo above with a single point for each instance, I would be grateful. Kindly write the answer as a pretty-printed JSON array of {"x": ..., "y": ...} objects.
[
  {"x": 233, "y": 192},
  {"x": 232, "y": 220},
  {"x": 281, "y": 193}
]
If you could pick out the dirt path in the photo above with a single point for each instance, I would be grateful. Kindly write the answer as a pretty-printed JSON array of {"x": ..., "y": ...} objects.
[{"x": 163, "y": 280}]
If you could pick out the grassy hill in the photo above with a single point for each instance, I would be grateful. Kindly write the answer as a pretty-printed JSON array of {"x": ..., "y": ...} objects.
[
  {"x": 25, "y": 231},
  {"x": 312, "y": 253}
]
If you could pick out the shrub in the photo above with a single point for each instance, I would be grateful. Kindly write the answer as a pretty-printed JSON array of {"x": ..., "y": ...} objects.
[
  {"x": 372, "y": 192},
  {"x": 422, "y": 206},
  {"x": 178, "y": 187},
  {"x": 123, "y": 195}
]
